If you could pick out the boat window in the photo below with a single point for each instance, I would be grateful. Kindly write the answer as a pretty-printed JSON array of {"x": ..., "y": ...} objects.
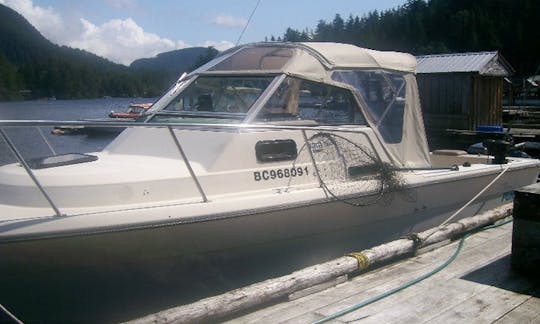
[
  {"x": 383, "y": 93},
  {"x": 220, "y": 94},
  {"x": 255, "y": 58},
  {"x": 303, "y": 100}
]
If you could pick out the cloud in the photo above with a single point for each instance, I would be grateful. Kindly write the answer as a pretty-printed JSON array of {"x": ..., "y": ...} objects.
[
  {"x": 229, "y": 21},
  {"x": 46, "y": 20},
  {"x": 219, "y": 45},
  {"x": 122, "y": 41},
  {"x": 119, "y": 40}
]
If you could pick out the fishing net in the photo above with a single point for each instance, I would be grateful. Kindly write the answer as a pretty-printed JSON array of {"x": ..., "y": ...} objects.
[{"x": 349, "y": 171}]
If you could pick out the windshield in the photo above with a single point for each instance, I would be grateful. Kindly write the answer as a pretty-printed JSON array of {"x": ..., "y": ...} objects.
[
  {"x": 304, "y": 101},
  {"x": 220, "y": 94}
]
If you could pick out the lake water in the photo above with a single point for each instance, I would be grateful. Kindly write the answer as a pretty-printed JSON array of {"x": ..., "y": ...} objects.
[{"x": 31, "y": 144}]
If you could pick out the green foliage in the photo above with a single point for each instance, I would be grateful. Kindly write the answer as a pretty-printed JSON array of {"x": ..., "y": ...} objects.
[
  {"x": 442, "y": 26},
  {"x": 206, "y": 56},
  {"x": 33, "y": 67}
]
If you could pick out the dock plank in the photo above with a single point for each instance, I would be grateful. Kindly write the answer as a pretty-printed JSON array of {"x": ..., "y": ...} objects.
[
  {"x": 434, "y": 299},
  {"x": 468, "y": 258},
  {"x": 527, "y": 312},
  {"x": 485, "y": 307}
]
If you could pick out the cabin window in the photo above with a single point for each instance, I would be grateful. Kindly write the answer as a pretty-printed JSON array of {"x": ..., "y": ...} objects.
[
  {"x": 303, "y": 100},
  {"x": 223, "y": 94},
  {"x": 383, "y": 93}
]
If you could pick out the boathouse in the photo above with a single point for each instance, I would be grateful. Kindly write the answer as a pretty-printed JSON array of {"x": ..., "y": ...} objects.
[{"x": 461, "y": 91}]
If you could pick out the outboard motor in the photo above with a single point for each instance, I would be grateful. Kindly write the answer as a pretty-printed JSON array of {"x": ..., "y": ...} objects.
[{"x": 499, "y": 149}]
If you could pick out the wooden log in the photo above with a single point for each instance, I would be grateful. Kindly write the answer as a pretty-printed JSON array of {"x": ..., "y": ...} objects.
[
  {"x": 253, "y": 295},
  {"x": 242, "y": 299}
]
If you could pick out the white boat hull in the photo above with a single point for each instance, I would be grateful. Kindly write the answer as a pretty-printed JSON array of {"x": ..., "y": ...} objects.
[{"x": 331, "y": 227}]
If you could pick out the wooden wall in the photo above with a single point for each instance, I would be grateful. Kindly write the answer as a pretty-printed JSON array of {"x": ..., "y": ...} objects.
[
  {"x": 460, "y": 100},
  {"x": 486, "y": 108}
]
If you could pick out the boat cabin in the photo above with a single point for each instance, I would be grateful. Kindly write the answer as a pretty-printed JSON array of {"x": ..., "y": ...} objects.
[{"x": 306, "y": 84}]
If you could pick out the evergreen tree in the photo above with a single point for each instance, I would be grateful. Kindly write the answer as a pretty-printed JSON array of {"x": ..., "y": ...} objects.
[{"x": 443, "y": 26}]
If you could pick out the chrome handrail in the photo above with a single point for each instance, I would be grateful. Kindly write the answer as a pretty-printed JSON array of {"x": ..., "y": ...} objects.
[
  {"x": 169, "y": 126},
  {"x": 29, "y": 171},
  {"x": 188, "y": 165},
  {"x": 105, "y": 124}
]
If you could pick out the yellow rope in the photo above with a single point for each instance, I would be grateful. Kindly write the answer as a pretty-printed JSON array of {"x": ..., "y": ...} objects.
[{"x": 363, "y": 261}]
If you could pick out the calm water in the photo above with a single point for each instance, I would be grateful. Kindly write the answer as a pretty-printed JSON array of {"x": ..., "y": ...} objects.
[{"x": 31, "y": 144}]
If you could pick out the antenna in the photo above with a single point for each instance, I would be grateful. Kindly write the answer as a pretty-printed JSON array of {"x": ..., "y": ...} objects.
[{"x": 249, "y": 19}]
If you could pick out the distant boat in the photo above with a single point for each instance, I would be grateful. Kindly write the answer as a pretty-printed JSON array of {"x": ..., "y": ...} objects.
[{"x": 134, "y": 111}]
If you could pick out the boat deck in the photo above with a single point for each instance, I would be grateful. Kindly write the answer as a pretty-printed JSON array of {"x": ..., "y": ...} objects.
[{"x": 478, "y": 286}]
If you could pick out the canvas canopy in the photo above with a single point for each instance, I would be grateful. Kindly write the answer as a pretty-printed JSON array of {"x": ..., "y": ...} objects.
[{"x": 352, "y": 67}]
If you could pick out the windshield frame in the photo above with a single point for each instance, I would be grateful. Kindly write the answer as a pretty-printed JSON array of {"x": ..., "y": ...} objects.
[{"x": 183, "y": 83}]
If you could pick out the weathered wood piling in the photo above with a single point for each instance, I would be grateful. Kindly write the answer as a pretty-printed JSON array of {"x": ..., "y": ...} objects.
[
  {"x": 526, "y": 230},
  {"x": 271, "y": 290}
]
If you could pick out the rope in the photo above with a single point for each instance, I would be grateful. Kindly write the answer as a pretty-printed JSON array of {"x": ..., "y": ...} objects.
[
  {"x": 247, "y": 23},
  {"x": 410, "y": 283},
  {"x": 45, "y": 140},
  {"x": 363, "y": 261},
  {"x": 10, "y": 315},
  {"x": 470, "y": 201}
]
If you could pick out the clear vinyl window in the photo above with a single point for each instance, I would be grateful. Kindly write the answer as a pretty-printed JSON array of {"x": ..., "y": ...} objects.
[
  {"x": 220, "y": 94},
  {"x": 303, "y": 100},
  {"x": 383, "y": 93}
]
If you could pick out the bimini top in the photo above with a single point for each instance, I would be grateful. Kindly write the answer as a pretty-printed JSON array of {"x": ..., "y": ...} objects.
[
  {"x": 313, "y": 59},
  {"x": 291, "y": 78}
]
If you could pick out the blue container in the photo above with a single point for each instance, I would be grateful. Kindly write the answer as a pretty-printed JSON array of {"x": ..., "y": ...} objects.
[{"x": 491, "y": 129}]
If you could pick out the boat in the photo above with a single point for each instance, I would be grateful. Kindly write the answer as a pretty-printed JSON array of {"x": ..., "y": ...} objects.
[
  {"x": 269, "y": 142},
  {"x": 134, "y": 111}
]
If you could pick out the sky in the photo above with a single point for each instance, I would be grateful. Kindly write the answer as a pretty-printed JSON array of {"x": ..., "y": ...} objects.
[{"x": 125, "y": 30}]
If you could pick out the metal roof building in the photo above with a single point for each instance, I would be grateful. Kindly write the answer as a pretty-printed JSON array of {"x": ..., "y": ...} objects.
[
  {"x": 483, "y": 63},
  {"x": 462, "y": 90}
]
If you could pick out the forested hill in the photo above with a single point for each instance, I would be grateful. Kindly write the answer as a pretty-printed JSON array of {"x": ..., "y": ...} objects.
[
  {"x": 168, "y": 66},
  {"x": 442, "y": 26},
  {"x": 182, "y": 60},
  {"x": 33, "y": 67}
]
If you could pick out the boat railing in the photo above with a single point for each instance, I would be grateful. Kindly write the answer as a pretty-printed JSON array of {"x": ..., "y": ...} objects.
[{"x": 38, "y": 124}]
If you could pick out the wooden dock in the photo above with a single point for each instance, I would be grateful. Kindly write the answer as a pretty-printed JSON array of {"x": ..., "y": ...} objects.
[
  {"x": 469, "y": 280},
  {"x": 479, "y": 287}
]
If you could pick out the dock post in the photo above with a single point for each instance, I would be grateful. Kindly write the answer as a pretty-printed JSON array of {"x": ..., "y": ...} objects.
[{"x": 526, "y": 230}]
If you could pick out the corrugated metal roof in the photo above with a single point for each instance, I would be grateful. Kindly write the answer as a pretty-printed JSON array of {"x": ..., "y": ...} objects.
[{"x": 484, "y": 63}]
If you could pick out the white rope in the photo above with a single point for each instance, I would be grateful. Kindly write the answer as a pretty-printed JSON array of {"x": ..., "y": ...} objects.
[
  {"x": 476, "y": 197},
  {"x": 247, "y": 23},
  {"x": 8, "y": 313},
  {"x": 470, "y": 201},
  {"x": 45, "y": 140}
]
